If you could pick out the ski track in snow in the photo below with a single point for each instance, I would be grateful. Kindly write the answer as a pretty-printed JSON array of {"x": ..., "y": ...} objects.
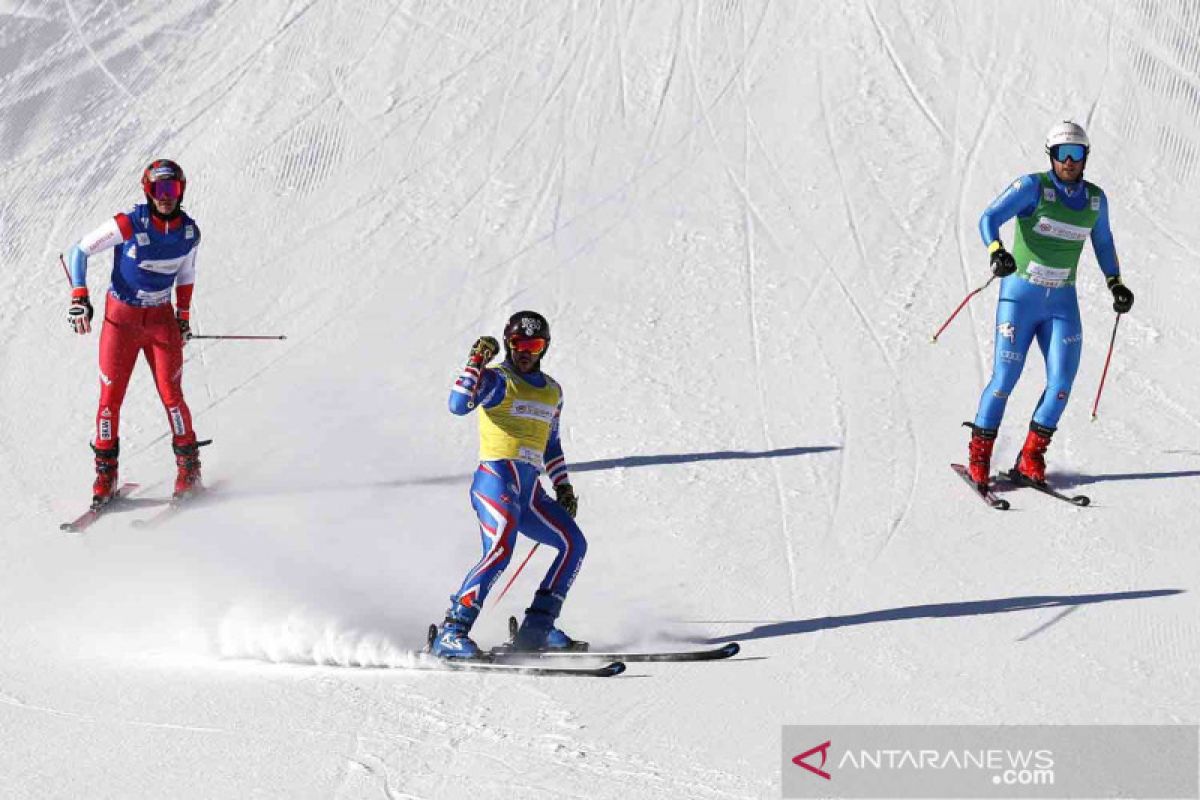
[
  {"x": 864, "y": 321},
  {"x": 898, "y": 65},
  {"x": 748, "y": 222},
  {"x": 113, "y": 79}
]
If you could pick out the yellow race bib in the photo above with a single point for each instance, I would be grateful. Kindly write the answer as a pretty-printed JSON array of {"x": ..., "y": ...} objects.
[{"x": 519, "y": 428}]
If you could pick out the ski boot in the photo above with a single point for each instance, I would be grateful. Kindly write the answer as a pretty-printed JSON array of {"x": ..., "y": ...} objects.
[
  {"x": 106, "y": 474},
  {"x": 1031, "y": 462},
  {"x": 451, "y": 640},
  {"x": 537, "y": 631},
  {"x": 187, "y": 480},
  {"x": 979, "y": 454}
]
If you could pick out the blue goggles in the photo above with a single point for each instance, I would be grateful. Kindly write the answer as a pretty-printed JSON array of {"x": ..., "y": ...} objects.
[{"x": 1063, "y": 153}]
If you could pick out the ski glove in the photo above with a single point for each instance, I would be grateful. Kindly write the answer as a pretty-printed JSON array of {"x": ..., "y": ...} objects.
[
  {"x": 483, "y": 351},
  {"x": 1002, "y": 262},
  {"x": 182, "y": 319},
  {"x": 566, "y": 498},
  {"x": 80, "y": 313},
  {"x": 1122, "y": 297}
]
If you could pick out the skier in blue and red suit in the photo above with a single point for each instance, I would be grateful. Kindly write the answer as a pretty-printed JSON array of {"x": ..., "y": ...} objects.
[
  {"x": 1056, "y": 212},
  {"x": 519, "y": 409},
  {"x": 154, "y": 251}
]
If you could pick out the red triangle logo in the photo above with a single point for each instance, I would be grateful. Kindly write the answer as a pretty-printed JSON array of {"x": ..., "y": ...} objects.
[{"x": 823, "y": 749}]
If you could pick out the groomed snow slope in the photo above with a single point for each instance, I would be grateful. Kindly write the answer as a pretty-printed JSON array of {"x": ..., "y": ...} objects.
[{"x": 743, "y": 220}]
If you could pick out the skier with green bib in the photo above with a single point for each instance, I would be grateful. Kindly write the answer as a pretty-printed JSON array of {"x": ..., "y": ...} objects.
[{"x": 1056, "y": 211}]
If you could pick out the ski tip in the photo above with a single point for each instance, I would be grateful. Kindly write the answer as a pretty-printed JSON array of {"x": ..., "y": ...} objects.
[
  {"x": 1001, "y": 505},
  {"x": 69, "y": 527},
  {"x": 609, "y": 670},
  {"x": 1081, "y": 500},
  {"x": 730, "y": 650}
]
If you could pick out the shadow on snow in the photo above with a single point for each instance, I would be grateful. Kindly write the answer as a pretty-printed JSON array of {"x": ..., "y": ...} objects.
[
  {"x": 933, "y": 611},
  {"x": 637, "y": 461},
  {"x": 1070, "y": 480}
]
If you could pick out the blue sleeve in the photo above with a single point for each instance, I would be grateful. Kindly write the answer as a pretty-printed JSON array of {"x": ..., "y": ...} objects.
[
  {"x": 1019, "y": 199},
  {"x": 77, "y": 263},
  {"x": 1102, "y": 242},
  {"x": 491, "y": 391},
  {"x": 555, "y": 461}
]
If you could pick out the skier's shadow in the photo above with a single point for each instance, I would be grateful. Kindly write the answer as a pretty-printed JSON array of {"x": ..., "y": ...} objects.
[
  {"x": 629, "y": 462},
  {"x": 691, "y": 458},
  {"x": 1069, "y": 480},
  {"x": 965, "y": 609}
]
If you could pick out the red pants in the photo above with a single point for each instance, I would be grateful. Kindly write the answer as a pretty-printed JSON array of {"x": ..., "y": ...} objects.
[{"x": 127, "y": 331}]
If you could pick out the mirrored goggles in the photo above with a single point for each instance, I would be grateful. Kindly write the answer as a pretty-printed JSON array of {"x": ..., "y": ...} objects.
[
  {"x": 166, "y": 190},
  {"x": 532, "y": 346},
  {"x": 1062, "y": 153}
]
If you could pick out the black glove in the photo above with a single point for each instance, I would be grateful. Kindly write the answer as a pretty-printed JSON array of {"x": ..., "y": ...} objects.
[
  {"x": 80, "y": 313},
  {"x": 566, "y": 498},
  {"x": 1122, "y": 297},
  {"x": 483, "y": 351},
  {"x": 185, "y": 325},
  {"x": 1002, "y": 262}
]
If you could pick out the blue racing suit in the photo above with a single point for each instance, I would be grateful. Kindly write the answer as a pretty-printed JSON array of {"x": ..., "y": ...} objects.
[
  {"x": 1047, "y": 311},
  {"x": 506, "y": 493}
]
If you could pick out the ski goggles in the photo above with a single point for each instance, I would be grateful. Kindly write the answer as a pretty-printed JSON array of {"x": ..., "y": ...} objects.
[
  {"x": 166, "y": 190},
  {"x": 1062, "y": 153},
  {"x": 534, "y": 347}
]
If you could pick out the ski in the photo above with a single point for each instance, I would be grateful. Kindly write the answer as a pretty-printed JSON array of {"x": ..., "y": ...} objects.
[
  {"x": 987, "y": 496},
  {"x": 94, "y": 512},
  {"x": 485, "y": 664},
  {"x": 1017, "y": 479},
  {"x": 715, "y": 654},
  {"x": 174, "y": 506}
]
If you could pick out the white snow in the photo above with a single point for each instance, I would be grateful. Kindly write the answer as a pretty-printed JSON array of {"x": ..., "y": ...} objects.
[{"x": 744, "y": 220}]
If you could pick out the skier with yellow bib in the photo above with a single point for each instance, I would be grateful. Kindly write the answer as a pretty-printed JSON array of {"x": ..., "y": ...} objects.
[{"x": 519, "y": 408}]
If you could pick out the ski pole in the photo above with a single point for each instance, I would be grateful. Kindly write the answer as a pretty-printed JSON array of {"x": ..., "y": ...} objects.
[
  {"x": 518, "y": 572},
  {"x": 966, "y": 300},
  {"x": 66, "y": 272},
  {"x": 1107, "y": 359}
]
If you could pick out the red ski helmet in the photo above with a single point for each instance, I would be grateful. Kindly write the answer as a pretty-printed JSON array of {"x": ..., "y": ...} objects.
[{"x": 164, "y": 179}]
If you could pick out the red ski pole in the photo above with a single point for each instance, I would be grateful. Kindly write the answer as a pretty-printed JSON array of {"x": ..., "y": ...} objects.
[
  {"x": 518, "y": 572},
  {"x": 966, "y": 300},
  {"x": 1107, "y": 359}
]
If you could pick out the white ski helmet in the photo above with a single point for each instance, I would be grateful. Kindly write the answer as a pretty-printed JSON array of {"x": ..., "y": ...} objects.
[{"x": 1067, "y": 132}]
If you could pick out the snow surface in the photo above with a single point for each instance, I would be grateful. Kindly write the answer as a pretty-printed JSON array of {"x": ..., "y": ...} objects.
[{"x": 744, "y": 220}]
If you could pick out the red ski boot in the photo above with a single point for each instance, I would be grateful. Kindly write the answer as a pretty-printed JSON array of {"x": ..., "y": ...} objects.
[
  {"x": 1031, "y": 463},
  {"x": 979, "y": 454},
  {"x": 187, "y": 480},
  {"x": 106, "y": 473}
]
